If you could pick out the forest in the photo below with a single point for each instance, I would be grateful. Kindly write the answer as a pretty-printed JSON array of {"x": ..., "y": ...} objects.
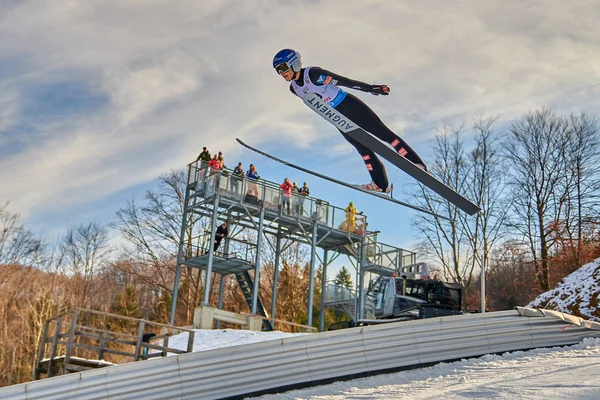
[{"x": 536, "y": 179}]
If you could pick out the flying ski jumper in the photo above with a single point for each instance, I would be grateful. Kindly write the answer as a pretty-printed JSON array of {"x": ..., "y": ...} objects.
[{"x": 325, "y": 84}]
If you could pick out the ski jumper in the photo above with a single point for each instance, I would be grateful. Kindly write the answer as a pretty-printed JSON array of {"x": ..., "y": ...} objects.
[{"x": 325, "y": 84}]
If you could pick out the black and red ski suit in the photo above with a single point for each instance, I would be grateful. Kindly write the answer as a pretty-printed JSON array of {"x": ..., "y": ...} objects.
[{"x": 360, "y": 113}]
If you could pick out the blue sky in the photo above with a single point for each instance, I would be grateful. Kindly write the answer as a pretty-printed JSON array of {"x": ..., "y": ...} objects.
[{"x": 99, "y": 97}]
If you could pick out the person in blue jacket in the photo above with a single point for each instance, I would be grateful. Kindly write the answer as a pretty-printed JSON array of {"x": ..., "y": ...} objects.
[
  {"x": 253, "y": 176},
  {"x": 287, "y": 63}
]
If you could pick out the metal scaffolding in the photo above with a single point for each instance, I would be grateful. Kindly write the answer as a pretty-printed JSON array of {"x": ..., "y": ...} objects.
[{"x": 258, "y": 215}]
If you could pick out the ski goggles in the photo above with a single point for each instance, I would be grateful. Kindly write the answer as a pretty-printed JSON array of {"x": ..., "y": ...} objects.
[{"x": 282, "y": 68}]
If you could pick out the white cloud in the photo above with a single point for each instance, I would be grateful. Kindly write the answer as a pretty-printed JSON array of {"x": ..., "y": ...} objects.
[{"x": 181, "y": 75}]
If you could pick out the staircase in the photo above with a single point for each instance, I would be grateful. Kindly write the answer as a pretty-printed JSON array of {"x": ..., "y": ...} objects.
[{"x": 246, "y": 284}]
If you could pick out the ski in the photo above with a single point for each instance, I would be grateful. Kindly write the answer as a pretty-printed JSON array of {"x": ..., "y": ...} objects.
[
  {"x": 345, "y": 124},
  {"x": 339, "y": 182}
]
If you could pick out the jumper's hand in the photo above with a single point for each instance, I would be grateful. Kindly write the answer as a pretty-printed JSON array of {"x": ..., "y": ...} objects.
[{"x": 380, "y": 89}]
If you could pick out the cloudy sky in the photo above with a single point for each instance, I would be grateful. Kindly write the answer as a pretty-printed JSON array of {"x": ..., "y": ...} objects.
[{"x": 98, "y": 97}]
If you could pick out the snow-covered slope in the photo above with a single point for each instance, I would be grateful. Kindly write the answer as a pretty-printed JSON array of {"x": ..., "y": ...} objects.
[
  {"x": 577, "y": 294},
  {"x": 209, "y": 339}
]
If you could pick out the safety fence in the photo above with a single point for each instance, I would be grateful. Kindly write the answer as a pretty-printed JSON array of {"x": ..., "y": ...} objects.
[{"x": 307, "y": 360}]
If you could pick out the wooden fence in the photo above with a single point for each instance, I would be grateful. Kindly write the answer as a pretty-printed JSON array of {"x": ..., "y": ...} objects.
[{"x": 82, "y": 339}]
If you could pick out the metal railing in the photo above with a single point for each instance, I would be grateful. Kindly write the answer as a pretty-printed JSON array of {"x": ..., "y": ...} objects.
[
  {"x": 239, "y": 249},
  {"x": 386, "y": 256},
  {"x": 206, "y": 182}
]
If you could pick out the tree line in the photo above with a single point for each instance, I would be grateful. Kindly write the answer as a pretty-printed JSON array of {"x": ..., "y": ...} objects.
[
  {"x": 85, "y": 268},
  {"x": 535, "y": 179}
]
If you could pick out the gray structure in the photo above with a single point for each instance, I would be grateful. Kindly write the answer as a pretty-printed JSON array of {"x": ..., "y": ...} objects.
[{"x": 259, "y": 221}]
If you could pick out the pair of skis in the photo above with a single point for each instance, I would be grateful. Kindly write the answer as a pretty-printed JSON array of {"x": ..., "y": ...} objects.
[{"x": 343, "y": 123}]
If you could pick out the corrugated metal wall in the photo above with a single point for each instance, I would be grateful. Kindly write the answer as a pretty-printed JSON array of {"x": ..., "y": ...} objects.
[{"x": 307, "y": 360}]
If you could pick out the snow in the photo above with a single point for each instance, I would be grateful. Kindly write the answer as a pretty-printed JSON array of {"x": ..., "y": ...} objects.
[
  {"x": 207, "y": 339},
  {"x": 577, "y": 294},
  {"x": 557, "y": 373}
]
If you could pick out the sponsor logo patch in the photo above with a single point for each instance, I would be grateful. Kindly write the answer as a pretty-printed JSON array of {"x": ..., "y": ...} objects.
[
  {"x": 367, "y": 157},
  {"x": 322, "y": 78},
  {"x": 402, "y": 151},
  {"x": 395, "y": 142},
  {"x": 330, "y": 114},
  {"x": 327, "y": 80},
  {"x": 369, "y": 167}
]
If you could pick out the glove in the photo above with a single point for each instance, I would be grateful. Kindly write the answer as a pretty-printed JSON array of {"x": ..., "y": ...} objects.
[{"x": 380, "y": 89}]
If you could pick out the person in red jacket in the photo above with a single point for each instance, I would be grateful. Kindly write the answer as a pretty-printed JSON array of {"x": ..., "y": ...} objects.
[
  {"x": 286, "y": 188},
  {"x": 215, "y": 164}
]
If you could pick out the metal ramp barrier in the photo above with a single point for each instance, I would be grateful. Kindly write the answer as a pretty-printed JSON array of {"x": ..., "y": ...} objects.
[{"x": 309, "y": 360}]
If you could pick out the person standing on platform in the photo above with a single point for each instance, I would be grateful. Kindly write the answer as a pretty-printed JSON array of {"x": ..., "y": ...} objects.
[
  {"x": 215, "y": 164},
  {"x": 286, "y": 189},
  {"x": 221, "y": 233},
  {"x": 351, "y": 217},
  {"x": 303, "y": 192},
  {"x": 201, "y": 163},
  {"x": 237, "y": 177},
  {"x": 204, "y": 156},
  {"x": 253, "y": 176}
]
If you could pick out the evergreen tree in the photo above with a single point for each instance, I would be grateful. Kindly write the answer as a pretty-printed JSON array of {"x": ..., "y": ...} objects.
[
  {"x": 126, "y": 305},
  {"x": 343, "y": 278}
]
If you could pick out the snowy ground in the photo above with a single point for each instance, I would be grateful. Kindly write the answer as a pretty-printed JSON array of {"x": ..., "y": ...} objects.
[
  {"x": 206, "y": 339},
  {"x": 558, "y": 373}
]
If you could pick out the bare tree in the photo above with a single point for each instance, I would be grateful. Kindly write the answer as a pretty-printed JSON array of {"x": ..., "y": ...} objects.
[
  {"x": 535, "y": 150},
  {"x": 445, "y": 240},
  {"x": 153, "y": 234},
  {"x": 19, "y": 249},
  {"x": 17, "y": 244},
  {"x": 486, "y": 188},
  {"x": 84, "y": 252},
  {"x": 583, "y": 172}
]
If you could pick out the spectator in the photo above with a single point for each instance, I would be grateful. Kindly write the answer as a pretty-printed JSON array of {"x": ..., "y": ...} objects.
[
  {"x": 204, "y": 156},
  {"x": 252, "y": 186},
  {"x": 222, "y": 160},
  {"x": 239, "y": 170},
  {"x": 351, "y": 217},
  {"x": 286, "y": 188},
  {"x": 220, "y": 234},
  {"x": 303, "y": 192},
  {"x": 215, "y": 164},
  {"x": 238, "y": 175},
  {"x": 201, "y": 163},
  {"x": 213, "y": 181}
]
